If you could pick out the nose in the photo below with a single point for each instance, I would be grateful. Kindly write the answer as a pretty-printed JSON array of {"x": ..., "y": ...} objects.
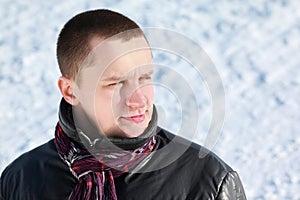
[{"x": 136, "y": 99}]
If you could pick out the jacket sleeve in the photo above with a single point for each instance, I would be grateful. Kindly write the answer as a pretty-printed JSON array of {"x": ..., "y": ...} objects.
[
  {"x": 231, "y": 188},
  {"x": 2, "y": 186},
  {"x": 9, "y": 183}
]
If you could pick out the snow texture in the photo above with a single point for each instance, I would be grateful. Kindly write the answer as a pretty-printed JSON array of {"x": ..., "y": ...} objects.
[{"x": 255, "y": 46}]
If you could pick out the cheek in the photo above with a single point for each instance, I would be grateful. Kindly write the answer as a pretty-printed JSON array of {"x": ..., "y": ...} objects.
[
  {"x": 105, "y": 109},
  {"x": 115, "y": 97},
  {"x": 107, "y": 101},
  {"x": 102, "y": 102}
]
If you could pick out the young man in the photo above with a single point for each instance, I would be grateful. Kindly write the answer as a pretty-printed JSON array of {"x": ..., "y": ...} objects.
[{"x": 107, "y": 143}]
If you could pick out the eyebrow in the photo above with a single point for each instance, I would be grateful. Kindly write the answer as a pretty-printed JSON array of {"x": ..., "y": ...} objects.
[
  {"x": 112, "y": 78},
  {"x": 116, "y": 77},
  {"x": 148, "y": 73}
]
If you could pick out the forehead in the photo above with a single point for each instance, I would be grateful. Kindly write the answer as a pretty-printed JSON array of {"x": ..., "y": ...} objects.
[
  {"x": 139, "y": 61},
  {"x": 110, "y": 57}
]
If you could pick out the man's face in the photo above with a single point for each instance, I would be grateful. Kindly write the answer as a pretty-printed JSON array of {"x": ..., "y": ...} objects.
[{"x": 115, "y": 88}]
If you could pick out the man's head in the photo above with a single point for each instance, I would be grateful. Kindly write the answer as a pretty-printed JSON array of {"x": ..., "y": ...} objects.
[
  {"x": 106, "y": 67},
  {"x": 73, "y": 44}
]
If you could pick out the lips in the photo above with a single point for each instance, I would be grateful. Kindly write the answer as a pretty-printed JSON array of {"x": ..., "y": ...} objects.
[{"x": 136, "y": 118}]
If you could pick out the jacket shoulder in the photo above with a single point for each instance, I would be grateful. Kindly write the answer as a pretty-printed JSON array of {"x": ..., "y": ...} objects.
[
  {"x": 210, "y": 176},
  {"x": 29, "y": 159},
  {"x": 196, "y": 153},
  {"x": 34, "y": 173},
  {"x": 17, "y": 174}
]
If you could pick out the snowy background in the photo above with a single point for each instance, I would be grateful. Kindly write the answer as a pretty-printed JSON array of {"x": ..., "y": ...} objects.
[{"x": 255, "y": 46}]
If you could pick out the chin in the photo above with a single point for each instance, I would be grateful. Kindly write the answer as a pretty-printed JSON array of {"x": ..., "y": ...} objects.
[
  {"x": 125, "y": 131},
  {"x": 130, "y": 129},
  {"x": 132, "y": 133}
]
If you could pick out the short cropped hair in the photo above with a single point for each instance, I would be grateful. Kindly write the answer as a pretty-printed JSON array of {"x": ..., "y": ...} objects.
[{"x": 73, "y": 40}]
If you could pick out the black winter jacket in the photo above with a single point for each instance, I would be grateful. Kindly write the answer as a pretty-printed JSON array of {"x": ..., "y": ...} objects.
[{"x": 40, "y": 174}]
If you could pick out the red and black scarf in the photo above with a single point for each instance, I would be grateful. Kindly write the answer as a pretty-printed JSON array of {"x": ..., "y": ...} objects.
[{"x": 94, "y": 170}]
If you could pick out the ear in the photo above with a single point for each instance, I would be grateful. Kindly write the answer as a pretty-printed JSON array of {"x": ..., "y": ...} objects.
[{"x": 67, "y": 89}]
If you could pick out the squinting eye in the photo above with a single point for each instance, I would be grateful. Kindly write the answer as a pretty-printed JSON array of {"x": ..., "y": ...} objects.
[
  {"x": 115, "y": 84},
  {"x": 112, "y": 84},
  {"x": 145, "y": 78}
]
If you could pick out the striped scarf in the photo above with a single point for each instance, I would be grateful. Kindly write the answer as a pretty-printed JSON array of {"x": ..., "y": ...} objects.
[{"x": 96, "y": 169}]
